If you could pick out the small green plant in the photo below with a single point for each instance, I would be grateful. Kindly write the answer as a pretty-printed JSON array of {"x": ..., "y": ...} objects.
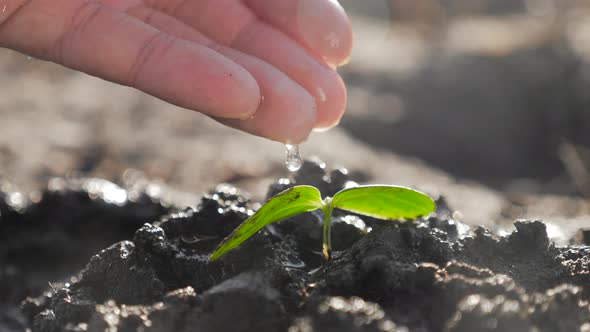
[{"x": 377, "y": 201}]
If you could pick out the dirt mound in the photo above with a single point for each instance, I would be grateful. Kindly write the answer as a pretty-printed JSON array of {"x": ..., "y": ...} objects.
[{"x": 436, "y": 274}]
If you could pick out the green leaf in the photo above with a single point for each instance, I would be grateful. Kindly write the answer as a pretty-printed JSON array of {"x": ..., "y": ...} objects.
[
  {"x": 293, "y": 201},
  {"x": 384, "y": 202}
]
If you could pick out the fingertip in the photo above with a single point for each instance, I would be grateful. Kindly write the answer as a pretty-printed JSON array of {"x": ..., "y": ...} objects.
[
  {"x": 293, "y": 126},
  {"x": 325, "y": 129},
  {"x": 306, "y": 119},
  {"x": 326, "y": 28},
  {"x": 286, "y": 113},
  {"x": 289, "y": 117},
  {"x": 240, "y": 96},
  {"x": 342, "y": 55},
  {"x": 331, "y": 101},
  {"x": 339, "y": 49}
]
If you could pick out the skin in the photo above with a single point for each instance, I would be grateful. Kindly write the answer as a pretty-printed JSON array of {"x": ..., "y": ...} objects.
[{"x": 267, "y": 67}]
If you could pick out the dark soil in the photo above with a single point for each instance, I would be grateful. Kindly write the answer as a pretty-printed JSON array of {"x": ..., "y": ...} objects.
[{"x": 435, "y": 274}]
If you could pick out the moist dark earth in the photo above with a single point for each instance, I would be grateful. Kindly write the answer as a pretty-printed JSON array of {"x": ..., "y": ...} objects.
[{"x": 89, "y": 255}]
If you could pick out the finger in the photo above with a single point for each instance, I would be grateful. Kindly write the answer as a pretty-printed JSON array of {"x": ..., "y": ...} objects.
[
  {"x": 90, "y": 37},
  {"x": 287, "y": 112},
  {"x": 163, "y": 22},
  {"x": 229, "y": 22},
  {"x": 323, "y": 83},
  {"x": 322, "y": 25}
]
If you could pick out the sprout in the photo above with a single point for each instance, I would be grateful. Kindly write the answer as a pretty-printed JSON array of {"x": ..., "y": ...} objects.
[{"x": 377, "y": 201}]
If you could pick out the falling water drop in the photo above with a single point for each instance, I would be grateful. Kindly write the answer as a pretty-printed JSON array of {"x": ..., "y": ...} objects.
[{"x": 293, "y": 157}]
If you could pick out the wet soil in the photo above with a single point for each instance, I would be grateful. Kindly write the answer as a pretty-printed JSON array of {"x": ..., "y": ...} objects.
[{"x": 88, "y": 255}]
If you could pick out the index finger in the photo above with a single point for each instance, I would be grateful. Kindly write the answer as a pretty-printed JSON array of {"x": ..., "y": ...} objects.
[{"x": 88, "y": 36}]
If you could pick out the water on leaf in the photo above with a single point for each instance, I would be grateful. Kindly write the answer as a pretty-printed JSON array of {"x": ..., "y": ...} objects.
[{"x": 293, "y": 157}]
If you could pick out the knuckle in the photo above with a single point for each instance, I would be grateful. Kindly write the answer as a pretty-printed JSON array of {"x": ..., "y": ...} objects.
[
  {"x": 10, "y": 9},
  {"x": 142, "y": 12},
  {"x": 82, "y": 17},
  {"x": 152, "y": 49},
  {"x": 246, "y": 33}
]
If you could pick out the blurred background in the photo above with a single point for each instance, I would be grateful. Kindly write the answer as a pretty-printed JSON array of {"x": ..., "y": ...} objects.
[{"x": 483, "y": 101}]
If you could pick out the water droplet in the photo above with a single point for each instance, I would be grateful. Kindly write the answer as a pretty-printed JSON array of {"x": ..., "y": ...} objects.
[
  {"x": 314, "y": 271},
  {"x": 293, "y": 157},
  {"x": 322, "y": 95},
  {"x": 194, "y": 238},
  {"x": 332, "y": 39},
  {"x": 189, "y": 238}
]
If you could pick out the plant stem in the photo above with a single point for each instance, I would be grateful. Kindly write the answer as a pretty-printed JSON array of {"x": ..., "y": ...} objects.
[{"x": 327, "y": 236}]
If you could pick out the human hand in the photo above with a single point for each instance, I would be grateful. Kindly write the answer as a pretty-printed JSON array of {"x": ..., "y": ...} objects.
[{"x": 262, "y": 66}]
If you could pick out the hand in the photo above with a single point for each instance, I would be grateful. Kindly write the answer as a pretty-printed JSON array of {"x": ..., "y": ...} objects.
[{"x": 263, "y": 66}]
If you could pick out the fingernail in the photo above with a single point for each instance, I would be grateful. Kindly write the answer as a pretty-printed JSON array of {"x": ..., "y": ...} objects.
[{"x": 324, "y": 26}]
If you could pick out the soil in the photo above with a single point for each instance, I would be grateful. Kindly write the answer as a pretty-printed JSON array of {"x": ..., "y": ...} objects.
[
  {"x": 153, "y": 274},
  {"x": 432, "y": 104}
]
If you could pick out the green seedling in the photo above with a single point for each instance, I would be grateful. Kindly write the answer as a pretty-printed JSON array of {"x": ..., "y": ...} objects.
[{"x": 377, "y": 201}]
